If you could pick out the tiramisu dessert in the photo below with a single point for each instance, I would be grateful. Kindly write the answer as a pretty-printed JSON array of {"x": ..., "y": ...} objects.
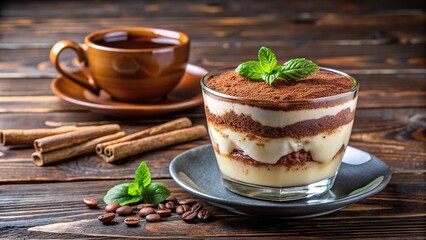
[{"x": 279, "y": 132}]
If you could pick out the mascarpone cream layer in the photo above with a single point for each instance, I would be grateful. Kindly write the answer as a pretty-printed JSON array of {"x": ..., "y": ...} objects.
[
  {"x": 323, "y": 147},
  {"x": 278, "y": 175},
  {"x": 273, "y": 118}
]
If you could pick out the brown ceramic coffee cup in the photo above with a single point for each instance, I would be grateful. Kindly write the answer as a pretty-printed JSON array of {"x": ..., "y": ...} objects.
[{"x": 131, "y": 64}]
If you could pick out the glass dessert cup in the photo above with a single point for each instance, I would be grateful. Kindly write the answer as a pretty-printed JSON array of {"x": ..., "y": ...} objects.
[{"x": 279, "y": 151}]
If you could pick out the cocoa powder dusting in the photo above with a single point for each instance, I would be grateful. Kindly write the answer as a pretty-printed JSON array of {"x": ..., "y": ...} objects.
[{"x": 320, "y": 84}]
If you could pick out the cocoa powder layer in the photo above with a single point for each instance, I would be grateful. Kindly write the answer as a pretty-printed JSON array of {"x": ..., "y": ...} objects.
[
  {"x": 295, "y": 160},
  {"x": 298, "y": 158},
  {"x": 244, "y": 123},
  {"x": 318, "y": 85}
]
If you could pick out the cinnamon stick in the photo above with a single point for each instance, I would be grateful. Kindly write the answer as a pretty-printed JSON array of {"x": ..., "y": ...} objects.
[
  {"x": 166, "y": 127},
  {"x": 71, "y": 138},
  {"x": 41, "y": 159},
  {"x": 126, "y": 149},
  {"x": 27, "y": 136}
]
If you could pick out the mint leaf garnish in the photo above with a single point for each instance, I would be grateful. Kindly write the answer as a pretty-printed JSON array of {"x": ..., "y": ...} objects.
[
  {"x": 141, "y": 189},
  {"x": 297, "y": 68},
  {"x": 270, "y": 78},
  {"x": 134, "y": 189},
  {"x": 120, "y": 195},
  {"x": 250, "y": 69},
  {"x": 155, "y": 193},
  {"x": 266, "y": 68},
  {"x": 142, "y": 175},
  {"x": 267, "y": 59}
]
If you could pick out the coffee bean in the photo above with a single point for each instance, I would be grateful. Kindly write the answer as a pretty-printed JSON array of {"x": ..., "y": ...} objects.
[
  {"x": 171, "y": 198},
  {"x": 161, "y": 206},
  {"x": 131, "y": 221},
  {"x": 197, "y": 207},
  {"x": 124, "y": 210},
  {"x": 164, "y": 212},
  {"x": 106, "y": 218},
  {"x": 179, "y": 210},
  {"x": 146, "y": 211},
  {"x": 144, "y": 205},
  {"x": 188, "y": 201},
  {"x": 182, "y": 209},
  {"x": 203, "y": 215},
  {"x": 153, "y": 217},
  {"x": 189, "y": 217},
  {"x": 112, "y": 207},
  {"x": 170, "y": 205},
  {"x": 91, "y": 203}
]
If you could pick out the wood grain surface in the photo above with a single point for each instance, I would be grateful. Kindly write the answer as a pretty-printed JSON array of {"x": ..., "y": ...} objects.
[
  {"x": 55, "y": 214},
  {"x": 381, "y": 43}
]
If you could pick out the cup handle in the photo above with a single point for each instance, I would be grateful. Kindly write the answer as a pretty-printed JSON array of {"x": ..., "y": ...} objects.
[{"x": 56, "y": 50}]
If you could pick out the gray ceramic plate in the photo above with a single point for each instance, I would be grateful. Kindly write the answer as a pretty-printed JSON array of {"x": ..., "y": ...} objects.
[{"x": 361, "y": 175}]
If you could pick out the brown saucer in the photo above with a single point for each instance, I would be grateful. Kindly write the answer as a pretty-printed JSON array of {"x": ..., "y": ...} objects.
[{"x": 187, "y": 94}]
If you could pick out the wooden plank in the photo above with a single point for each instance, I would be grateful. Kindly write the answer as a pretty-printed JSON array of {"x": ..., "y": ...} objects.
[
  {"x": 394, "y": 135},
  {"x": 354, "y": 59},
  {"x": 396, "y": 211},
  {"x": 386, "y": 90},
  {"x": 36, "y": 104},
  {"x": 20, "y": 120},
  {"x": 113, "y": 9},
  {"x": 376, "y": 133},
  {"x": 43, "y": 104},
  {"x": 324, "y": 23},
  {"x": 25, "y": 87},
  {"x": 227, "y": 30}
]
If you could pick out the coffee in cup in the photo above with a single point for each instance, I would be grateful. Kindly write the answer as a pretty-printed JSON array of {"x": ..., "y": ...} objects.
[{"x": 130, "y": 64}]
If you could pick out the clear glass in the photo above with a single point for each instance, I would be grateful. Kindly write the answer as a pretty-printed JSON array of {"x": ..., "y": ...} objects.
[{"x": 284, "y": 166}]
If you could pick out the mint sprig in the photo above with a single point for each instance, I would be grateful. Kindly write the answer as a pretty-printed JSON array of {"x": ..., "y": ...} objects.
[
  {"x": 268, "y": 70},
  {"x": 267, "y": 60},
  {"x": 142, "y": 175},
  {"x": 120, "y": 194},
  {"x": 250, "y": 69},
  {"x": 140, "y": 189},
  {"x": 155, "y": 193},
  {"x": 297, "y": 68}
]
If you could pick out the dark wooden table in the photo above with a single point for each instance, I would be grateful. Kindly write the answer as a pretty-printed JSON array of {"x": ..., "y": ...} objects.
[{"x": 381, "y": 43}]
